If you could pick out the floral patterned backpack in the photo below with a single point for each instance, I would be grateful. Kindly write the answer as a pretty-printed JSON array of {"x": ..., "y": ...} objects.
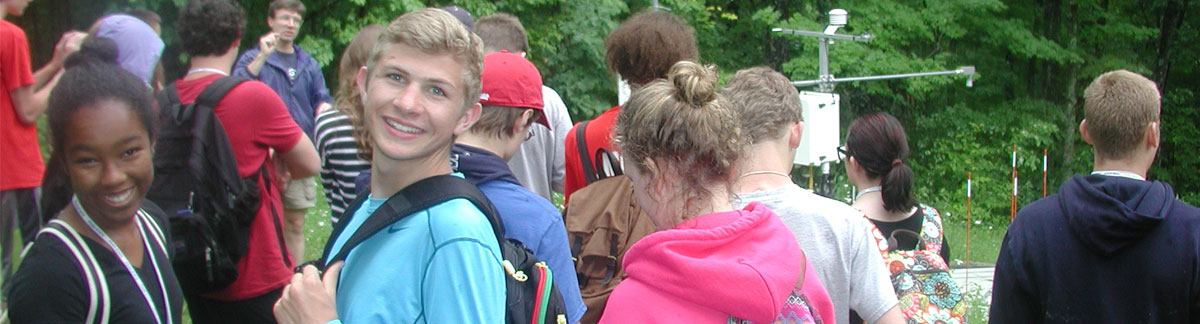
[
  {"x": 797, "y": 310},
  {"x": 921, "y": 278}
]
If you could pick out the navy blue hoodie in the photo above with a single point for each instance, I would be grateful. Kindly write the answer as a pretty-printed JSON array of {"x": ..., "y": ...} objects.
[
  {"x": 1102, "y": 250},
  {"x": 527, "y": 217}
]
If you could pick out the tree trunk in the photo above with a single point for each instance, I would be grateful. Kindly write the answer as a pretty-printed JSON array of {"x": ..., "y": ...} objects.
[
  {"x": 1052, "y": 12},
  {"x": 777, "y": 47},
  {"x": 1070, "y": 82},
  {"x": 1172, "y": 19}
]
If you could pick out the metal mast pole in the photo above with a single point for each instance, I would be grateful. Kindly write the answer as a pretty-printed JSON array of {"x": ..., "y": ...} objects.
[{"x": 826, "y": 80}]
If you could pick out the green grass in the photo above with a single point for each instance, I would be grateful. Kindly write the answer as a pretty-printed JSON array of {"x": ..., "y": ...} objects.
[
  {"x": 975, "y": 300},
  {"x": 44, "y": 136},
  {"x": 317, "y": 227},
  {"x": 985, "y": 246},
  {"x": 985, "y": 243}
]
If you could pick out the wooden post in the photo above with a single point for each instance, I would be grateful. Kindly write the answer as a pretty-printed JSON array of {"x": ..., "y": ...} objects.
[
  {"x": 966, "y": 272},
  {"x": 1012, "y": 215},
  {"x": 1044, "y": 151},
  {"x": 810, "y": 177}
]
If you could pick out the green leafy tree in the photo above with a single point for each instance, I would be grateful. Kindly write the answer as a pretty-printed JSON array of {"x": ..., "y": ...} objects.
[{"x": 1034, "y": 59}]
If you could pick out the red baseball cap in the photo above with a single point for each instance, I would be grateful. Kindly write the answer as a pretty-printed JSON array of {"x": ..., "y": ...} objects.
[{"x": 510, "y": 80}]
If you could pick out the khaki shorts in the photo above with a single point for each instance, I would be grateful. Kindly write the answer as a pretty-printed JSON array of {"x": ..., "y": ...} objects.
[{"x": 300, "y": 193}]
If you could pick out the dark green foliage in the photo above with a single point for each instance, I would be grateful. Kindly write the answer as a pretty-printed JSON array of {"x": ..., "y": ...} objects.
[{"x": 1034, "y": 59}]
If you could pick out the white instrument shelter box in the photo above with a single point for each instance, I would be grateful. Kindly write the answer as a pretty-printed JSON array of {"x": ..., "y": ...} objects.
[{"x": 822, "y": 128}]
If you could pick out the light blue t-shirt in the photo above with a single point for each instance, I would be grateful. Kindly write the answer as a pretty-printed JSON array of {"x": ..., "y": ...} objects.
[{"x": 439, "y": 265}]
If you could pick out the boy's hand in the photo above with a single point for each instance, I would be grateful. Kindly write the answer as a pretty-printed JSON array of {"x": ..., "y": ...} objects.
[{"x": 309, "y": 298}]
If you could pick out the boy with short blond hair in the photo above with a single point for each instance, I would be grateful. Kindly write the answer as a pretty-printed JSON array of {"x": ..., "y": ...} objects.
[
  {"x": 1109, "y": 236},
  {"x": 420, "y": 90}
]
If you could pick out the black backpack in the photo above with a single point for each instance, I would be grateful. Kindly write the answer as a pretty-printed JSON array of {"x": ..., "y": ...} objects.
[
  {"x": 532, "y": 296},
  {"x": 196, "y": 182}
]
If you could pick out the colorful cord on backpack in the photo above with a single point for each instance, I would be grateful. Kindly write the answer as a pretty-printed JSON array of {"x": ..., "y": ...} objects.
[{"x": 543, "y": 292}]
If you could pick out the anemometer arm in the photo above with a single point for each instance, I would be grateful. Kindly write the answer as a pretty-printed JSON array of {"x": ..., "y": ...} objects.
[{"x": 969, "y": 71}]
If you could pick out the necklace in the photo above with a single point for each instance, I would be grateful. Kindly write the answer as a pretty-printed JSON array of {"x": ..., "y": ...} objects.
[
  {"x": 210, "y": 70},
  {"x": 747, "y": 174},
  {"x": 125, "y": 261},
  {"x": 867, "y": 191}
]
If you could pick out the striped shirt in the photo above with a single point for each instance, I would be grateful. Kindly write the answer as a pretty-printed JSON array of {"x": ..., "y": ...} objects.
[{"x": 340, "y": 162}]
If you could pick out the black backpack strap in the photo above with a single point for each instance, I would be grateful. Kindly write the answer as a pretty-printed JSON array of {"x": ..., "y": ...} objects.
[
  {"x": 416, "y": 197},
  {"x": 265, "y": 176},
  {"x": 585, "y": 156},
  {"x": 207, "y": 101},
  {"x": 610, "y": 264},
  {"x": 216, "y": 91},
  {"x": 613, "y": 164},
  {"x": 589, "y": 174},
  {"x": 894, "y": 243},
  {"x": 209, "y": 97},
  {"x": 169, "y": 97},
  {"x": 345, "y": 219}
]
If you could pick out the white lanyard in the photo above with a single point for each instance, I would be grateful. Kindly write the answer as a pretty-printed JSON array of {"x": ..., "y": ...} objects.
[
  {"x": 867, "y": 191},
  {"x": 129, "y": 267},
  {"x": 210, "y": 70},
  {"x": 1123, "y": 174}
]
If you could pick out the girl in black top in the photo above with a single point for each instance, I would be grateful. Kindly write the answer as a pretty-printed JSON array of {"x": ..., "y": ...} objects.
[
  {"x": 875, "y": 157},
  {"x": 104, "y": 258}
]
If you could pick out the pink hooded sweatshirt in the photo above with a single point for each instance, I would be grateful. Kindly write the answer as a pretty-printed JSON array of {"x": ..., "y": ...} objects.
[{"x": 742, "y": 263}]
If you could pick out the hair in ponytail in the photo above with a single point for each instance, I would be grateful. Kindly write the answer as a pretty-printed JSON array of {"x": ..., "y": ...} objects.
[
  {"x": 684, "y": 121},
  {"x": 897, "y": 188},
  {"x": 90, "y": 76},
  {"x": 879, "y": 144}
]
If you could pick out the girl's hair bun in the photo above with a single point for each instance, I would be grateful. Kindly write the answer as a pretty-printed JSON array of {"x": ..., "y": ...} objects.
[
  {"x": 94, "y": 50},
  {"x": 697, "y": 84}
]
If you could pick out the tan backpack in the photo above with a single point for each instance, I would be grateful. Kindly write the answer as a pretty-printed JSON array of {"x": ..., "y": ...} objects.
[{"x": 603, "y": 220}]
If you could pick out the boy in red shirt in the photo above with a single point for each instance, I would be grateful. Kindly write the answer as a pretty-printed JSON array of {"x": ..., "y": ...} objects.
[
  {"x": 640, "y": 50},
  {"x": 210, "y": 31},
  {"x": 23, "y": 100}
]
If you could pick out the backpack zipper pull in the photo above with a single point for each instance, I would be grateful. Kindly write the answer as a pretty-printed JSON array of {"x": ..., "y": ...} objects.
[
  {"x": 208, "y": 262},
  {"x": 513, "y": 272},
  {"x": 191, "y": 196}
]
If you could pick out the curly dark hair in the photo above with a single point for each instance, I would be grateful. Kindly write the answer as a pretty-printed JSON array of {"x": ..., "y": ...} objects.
[
  {"x": 645, "y": 46},
  {"x": 209, "y": 27}
]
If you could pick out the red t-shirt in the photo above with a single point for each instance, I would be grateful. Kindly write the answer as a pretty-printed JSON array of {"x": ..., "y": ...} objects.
[
  {"x": 599, "y": 134},
  {"x": 21, "y": 164},
  {"x": 255, "y": 121}
]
